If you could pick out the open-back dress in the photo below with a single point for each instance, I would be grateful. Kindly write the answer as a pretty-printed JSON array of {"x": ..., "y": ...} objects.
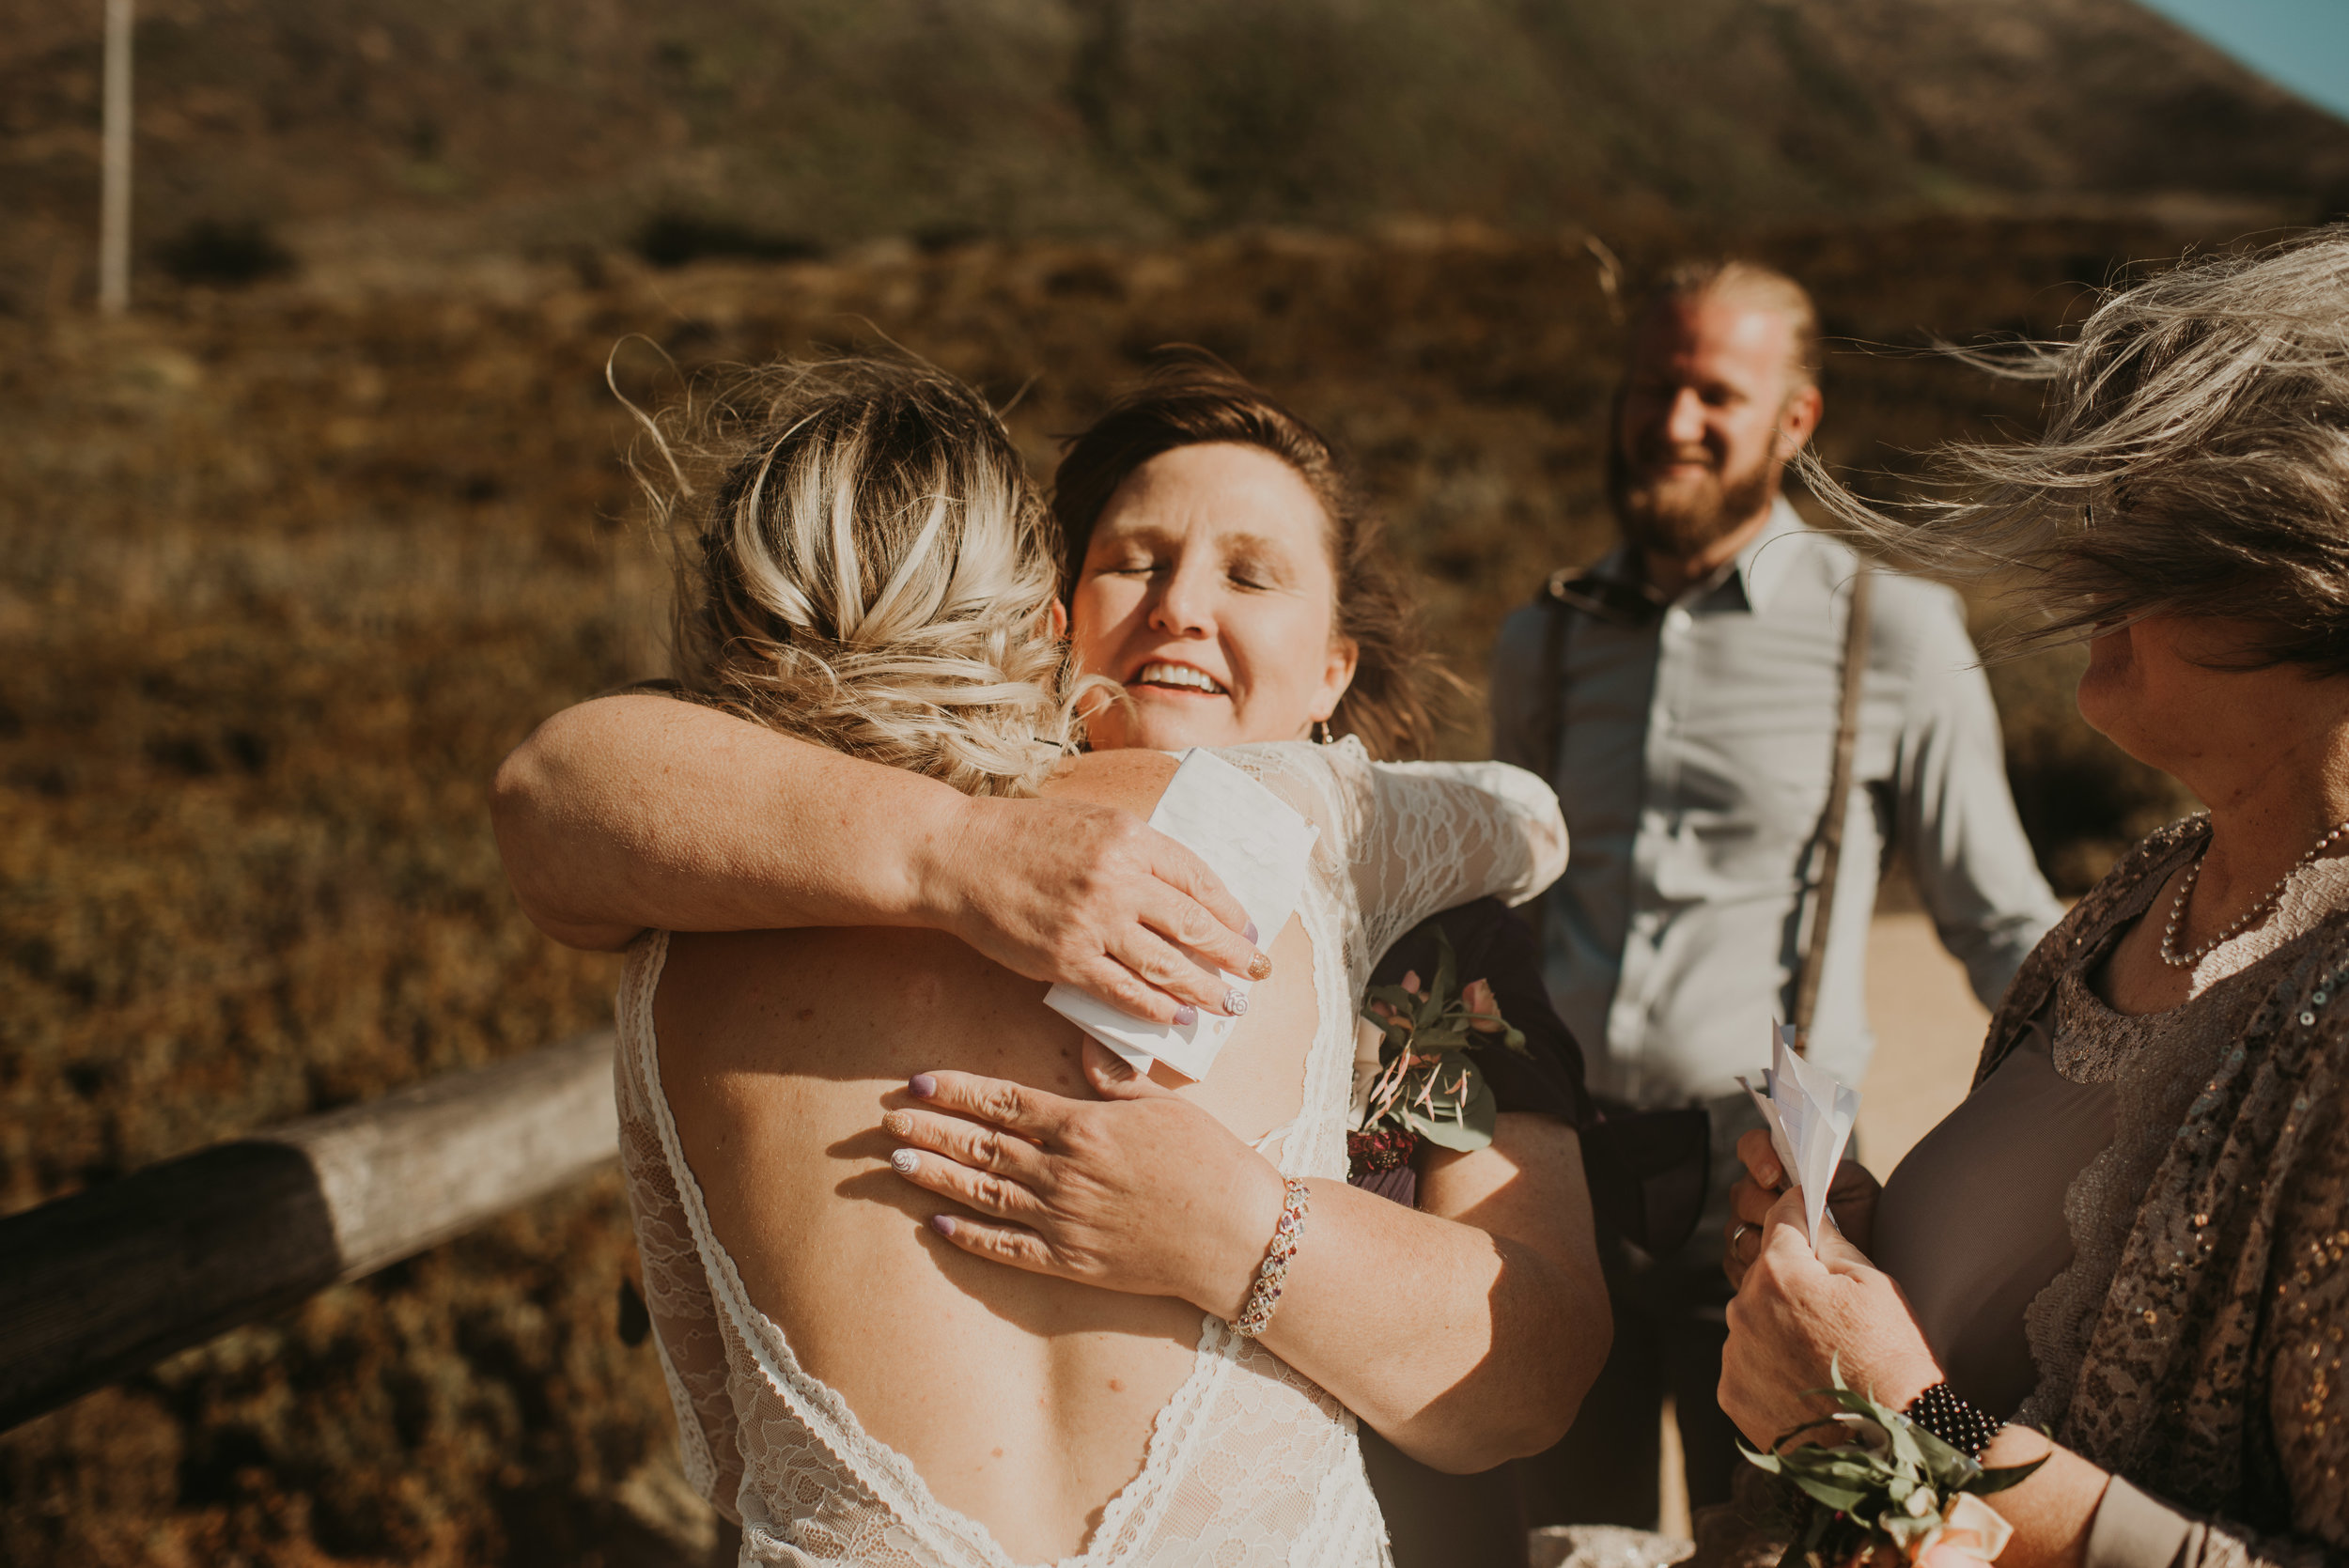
[{"x": 1250, "y": 1464}]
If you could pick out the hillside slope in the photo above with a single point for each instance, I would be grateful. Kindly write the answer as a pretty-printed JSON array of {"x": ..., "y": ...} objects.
[{"x": 795, "y": 124}]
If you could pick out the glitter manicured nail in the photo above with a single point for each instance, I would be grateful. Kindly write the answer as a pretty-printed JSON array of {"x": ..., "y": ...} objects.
[{"x": 1260, "y": 968}]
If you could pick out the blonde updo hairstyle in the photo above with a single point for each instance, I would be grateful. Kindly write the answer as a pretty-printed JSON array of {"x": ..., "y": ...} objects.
[{"x": 872, "y": 571}]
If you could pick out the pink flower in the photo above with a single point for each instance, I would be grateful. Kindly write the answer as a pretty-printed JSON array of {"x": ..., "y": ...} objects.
[
  {"x": 1410, "y": 981},
  {"x": 1477, "y": 997}
]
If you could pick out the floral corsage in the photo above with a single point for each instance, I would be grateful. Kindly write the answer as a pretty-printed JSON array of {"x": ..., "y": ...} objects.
[
  {"x": 1413, "y": 1078},
  {"x": 1890, "y": 1484}
]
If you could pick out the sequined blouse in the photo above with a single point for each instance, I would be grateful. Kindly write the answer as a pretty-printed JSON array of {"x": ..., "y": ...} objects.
[{"x": 2208, "y": 1376}]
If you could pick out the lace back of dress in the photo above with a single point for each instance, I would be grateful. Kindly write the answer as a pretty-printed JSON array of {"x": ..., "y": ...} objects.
[{"x": 1250, "y": 1464}]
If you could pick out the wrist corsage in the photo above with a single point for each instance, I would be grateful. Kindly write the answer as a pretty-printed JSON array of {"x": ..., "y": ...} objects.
[
  {"x": 1414, "y": 1079},
  {"x": 1890, "y": 1483}
]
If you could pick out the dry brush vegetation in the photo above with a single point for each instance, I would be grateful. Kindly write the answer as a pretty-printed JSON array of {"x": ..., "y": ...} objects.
[{"x": 287, "y": 570}]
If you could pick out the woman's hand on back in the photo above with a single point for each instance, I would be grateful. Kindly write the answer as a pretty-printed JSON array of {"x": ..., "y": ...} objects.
[
  {"x": 1141, "y": 1192},
  {"x": 1092, "y": 898}
]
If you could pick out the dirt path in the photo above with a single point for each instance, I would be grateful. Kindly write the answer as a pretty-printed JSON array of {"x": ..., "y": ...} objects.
[{"x": 1929, "y": 1031}]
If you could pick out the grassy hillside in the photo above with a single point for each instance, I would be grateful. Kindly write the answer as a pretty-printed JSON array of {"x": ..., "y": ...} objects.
[
  {"x": 356, "y": 127},
  {"x": 284, "y": 571}
]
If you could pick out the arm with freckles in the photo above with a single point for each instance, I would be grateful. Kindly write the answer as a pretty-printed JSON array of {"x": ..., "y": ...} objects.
[
  {"x": 1466, "y": 1332},
  {"x": 640, "y": 810}
]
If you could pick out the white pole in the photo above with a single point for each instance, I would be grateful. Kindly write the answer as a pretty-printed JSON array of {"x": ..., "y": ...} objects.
[{"x": 114, "y": 224}]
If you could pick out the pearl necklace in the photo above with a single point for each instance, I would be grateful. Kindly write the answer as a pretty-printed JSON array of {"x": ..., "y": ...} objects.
[{"x": 2250, "y": 917}]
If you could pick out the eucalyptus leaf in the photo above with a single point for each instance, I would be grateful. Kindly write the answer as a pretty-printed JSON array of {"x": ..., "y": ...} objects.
[
  {"x": 1905, "y": 1448},
  {"x": 1834, "y": 1497},
  {"x": 2010, "y": 1475}
]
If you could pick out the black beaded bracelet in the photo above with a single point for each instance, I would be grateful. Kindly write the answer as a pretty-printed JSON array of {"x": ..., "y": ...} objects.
[{"x": 1949, "y": 1418}]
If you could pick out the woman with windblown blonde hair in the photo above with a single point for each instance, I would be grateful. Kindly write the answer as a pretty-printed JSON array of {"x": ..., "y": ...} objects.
[
  {"x": 2134, "y": 1233},
  {"x": 837, "y": 1140}
]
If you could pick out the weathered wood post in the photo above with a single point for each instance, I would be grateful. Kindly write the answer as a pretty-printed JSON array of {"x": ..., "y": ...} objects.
[
  {"x": 114, "y": 199},
  {"x": 95, "y": 1286}
]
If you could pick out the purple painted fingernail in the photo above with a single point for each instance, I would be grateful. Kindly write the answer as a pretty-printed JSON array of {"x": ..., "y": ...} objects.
[
  {"x": 1186, "y": 1015},
  {"x": 1249, "y": 932},
  {"x": 906, "y": 1161},
  {"x": 922, "y": 1085},
  {"x": 943, "y": 1223},
  {"x": 1236, "y": 1003}
]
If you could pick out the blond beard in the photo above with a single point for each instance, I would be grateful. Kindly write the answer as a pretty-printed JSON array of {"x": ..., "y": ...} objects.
[{"x": 1681, "y": 525}]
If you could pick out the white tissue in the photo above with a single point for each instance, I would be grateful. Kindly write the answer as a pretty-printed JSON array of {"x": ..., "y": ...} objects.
[
  {"x": 1257, "y": 844},
  {"x": 1809, "y": 1116}
]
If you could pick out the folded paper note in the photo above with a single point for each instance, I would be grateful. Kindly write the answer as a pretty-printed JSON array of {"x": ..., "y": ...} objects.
[
  {"x": 1809, "y": 1116},
  {"x": 1254, "y": 840}
]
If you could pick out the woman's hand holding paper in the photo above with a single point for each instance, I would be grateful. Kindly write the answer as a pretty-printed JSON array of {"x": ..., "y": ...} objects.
[
  {"x": 1797, "y": 1314},
  {"x": 1851, "y": 1202},
  {"x": 1092, "y": 897}
]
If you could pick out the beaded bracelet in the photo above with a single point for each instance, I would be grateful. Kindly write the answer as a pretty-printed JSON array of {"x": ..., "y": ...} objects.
[
  {"x": 1256, "y": 1312},
  {"x": 1940, "y": 1411}
]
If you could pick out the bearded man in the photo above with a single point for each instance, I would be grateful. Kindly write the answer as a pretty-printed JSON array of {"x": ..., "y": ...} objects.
[{"x": 1686, "y": 697}]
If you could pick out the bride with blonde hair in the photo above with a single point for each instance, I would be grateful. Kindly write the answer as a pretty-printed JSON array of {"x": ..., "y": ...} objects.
[{"x": 835, "y": 1139}]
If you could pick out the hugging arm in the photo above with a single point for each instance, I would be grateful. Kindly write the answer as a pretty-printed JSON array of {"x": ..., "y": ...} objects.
[
  {"x": 1466, "y": 1332},
  {"x": 639, "y": 811}
]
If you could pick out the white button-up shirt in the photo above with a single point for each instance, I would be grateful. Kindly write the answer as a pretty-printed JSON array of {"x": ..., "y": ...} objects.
[{"x": 1692, "y": 762}]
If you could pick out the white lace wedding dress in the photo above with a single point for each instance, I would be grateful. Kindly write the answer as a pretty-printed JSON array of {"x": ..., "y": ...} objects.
[{"x": 1249, "y": 1465}]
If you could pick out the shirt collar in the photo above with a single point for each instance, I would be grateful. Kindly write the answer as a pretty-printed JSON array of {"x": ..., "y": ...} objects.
[
  {"x": 1748, "y": 581},
  {"x": 1758, "y": 574}
]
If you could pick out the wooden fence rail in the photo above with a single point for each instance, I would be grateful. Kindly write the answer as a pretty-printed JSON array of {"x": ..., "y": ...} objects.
[{"x": 99, "y": 1285}]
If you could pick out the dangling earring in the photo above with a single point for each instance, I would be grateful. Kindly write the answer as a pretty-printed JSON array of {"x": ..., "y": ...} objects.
[{"x": 1321, "y": 732}]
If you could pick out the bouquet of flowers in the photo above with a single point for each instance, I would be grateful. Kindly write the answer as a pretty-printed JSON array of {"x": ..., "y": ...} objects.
[
  {"x": 1890, "y": 1483},
  {"x": 1425, "y": 1086}
]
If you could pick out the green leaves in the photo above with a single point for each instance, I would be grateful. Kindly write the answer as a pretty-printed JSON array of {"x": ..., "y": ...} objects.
[
  {"x": 1893, "y": 1481},
  {"x": 1426, "y": 1084}
]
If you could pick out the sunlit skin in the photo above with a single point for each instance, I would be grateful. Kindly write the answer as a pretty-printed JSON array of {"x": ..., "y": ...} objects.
[
  {"x": 1212, "y": 562},
  {"x": 1711, "y": 396},
  {"x": 2263, "y": 748}
]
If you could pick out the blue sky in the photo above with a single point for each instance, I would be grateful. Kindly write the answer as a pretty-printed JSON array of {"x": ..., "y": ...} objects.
[{"x": 2303, "y": 44}]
